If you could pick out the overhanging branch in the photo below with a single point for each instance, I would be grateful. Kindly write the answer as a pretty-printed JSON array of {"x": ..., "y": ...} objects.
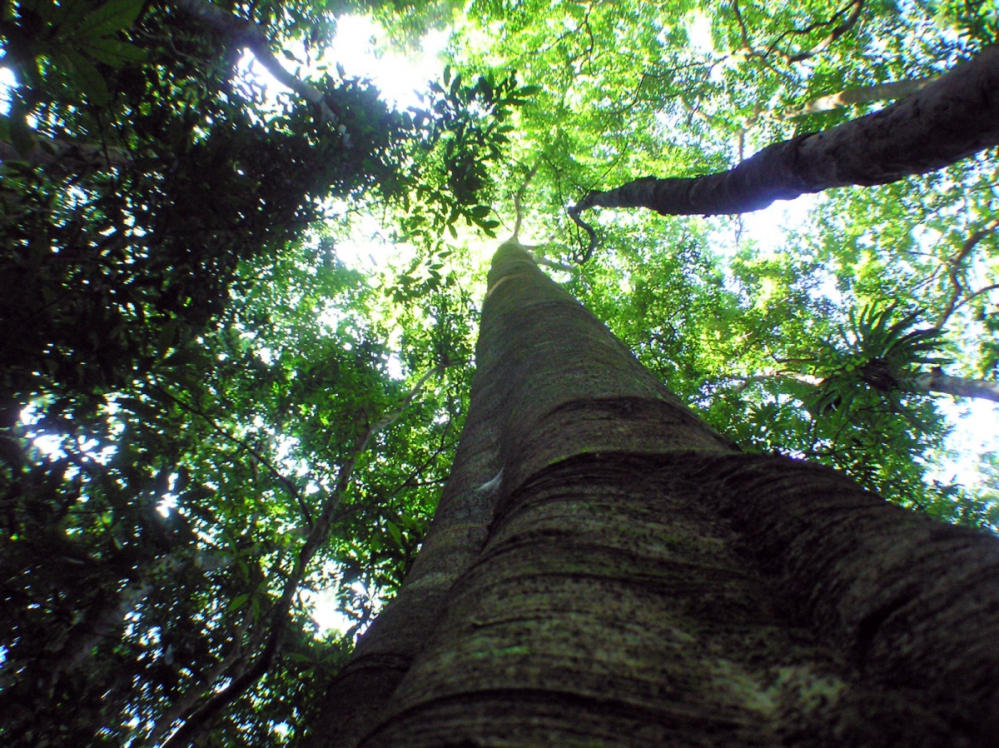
[
  {"x": 248, "y": 34},
  {"x": 950, "y": 119}
]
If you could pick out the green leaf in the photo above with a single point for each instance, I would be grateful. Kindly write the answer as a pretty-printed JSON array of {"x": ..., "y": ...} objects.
[
  {"x": 65, "y": 17},
  {"x": 393, "y": 530},
  {"x": 22, "y": 137},
  {"x": 112, "y": 52},
  {"x": 110, "y": 17},
  {"x": 237, "y": 602},
  {"x": 87, "y": 79}
]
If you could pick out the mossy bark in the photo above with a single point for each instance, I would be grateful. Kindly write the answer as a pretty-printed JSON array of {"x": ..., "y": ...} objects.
[{"x": 632, "y": 579}]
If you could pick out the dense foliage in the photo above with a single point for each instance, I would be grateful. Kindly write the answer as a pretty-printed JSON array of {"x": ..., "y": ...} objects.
[{"x": 208, "y": 418}]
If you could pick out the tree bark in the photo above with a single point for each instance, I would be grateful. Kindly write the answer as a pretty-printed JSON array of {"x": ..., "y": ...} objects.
[
  {"x": 627, "y": 577},
  {"x": 937, "y": 381},
  {"x": 951, "y": 118}
]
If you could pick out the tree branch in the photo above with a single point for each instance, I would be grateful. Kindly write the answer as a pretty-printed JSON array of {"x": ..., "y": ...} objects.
[
  {"x": 248, "y": 34},
  {"x": 837, "y": 32},
  {"x": 954, "y": 266},
  {"x": 934, "y": 381},
  {"x": 937, "y": 381},
  {"x": 291, "y": 487},
  {"x": 950, "y": 119},
  {"x": 66, "y": 156},
  {"x": 318, "y": 534},
  {"x": 518, "y": 199},
  {"x": 187, "y": 700},
  {"x": 574, "y": 212},
  {"x": 860, "y": 95},
  {"x": 858, "y": 6}
]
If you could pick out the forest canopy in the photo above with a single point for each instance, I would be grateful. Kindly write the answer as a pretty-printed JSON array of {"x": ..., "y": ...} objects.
[{"x": 238, "y": 318}]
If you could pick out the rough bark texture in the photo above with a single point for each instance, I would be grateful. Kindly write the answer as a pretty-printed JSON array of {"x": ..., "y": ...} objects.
[
  {"x": 951, "y": 118},
  {"x": 637, "y": 581}
]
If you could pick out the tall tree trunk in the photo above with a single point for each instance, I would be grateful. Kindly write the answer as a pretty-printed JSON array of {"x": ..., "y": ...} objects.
[
  {"x": 606, "y": 570},
  {"x": 953, "y": 117}
]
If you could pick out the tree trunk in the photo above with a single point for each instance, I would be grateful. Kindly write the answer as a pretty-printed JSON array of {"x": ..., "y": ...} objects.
[
  {"x": 955, "y": 116},
  {"x": 606, "y": 570}
]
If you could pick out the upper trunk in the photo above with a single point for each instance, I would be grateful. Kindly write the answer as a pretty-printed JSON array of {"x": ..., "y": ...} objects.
[{"x": 623, "y": 576}]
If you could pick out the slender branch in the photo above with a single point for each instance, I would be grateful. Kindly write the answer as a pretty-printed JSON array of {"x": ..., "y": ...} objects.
[
  {"x": 860, "y": 95},
  {"x": 742, "y": 27},
  {"x": 180, "y": 707},
  {"x": 769, "y": 374},
  {"x": 291, "y": 487},
  {"x": 518, "y": 199},
  {"x": 186, "y": 733},
  {"x": 93, "y": 631},
  {"x": 246, "y": 33},
  {"x": 979, "y": 292},
  {"x": 574, "y": 212},
  {"x": 858, "y": 6},
  {"x": 849, "y": 23},
  {"x": 553, "y": 264},
  {"x": 954, "y": 266}
]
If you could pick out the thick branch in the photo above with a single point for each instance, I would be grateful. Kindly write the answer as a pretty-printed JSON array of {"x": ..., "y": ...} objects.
[
  {"x": 937, "y": 381},
  {"x": 950, "y": 119},
  {"x": 66, "y": 156},
  {"x": 248, "y": 34},
  {"x": 926, "y": 383}
]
